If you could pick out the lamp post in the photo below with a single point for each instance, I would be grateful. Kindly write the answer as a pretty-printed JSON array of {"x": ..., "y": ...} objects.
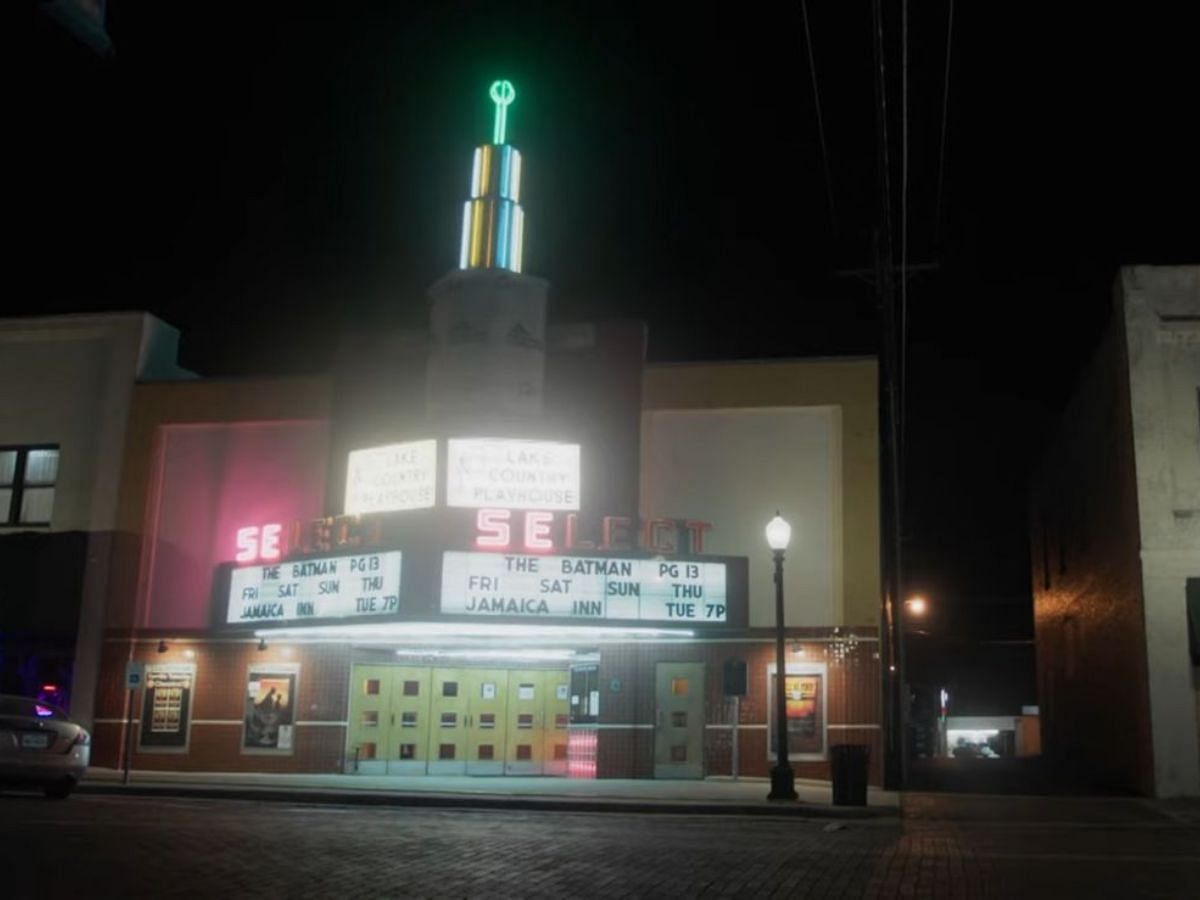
[{"x": 783, "y": 781}]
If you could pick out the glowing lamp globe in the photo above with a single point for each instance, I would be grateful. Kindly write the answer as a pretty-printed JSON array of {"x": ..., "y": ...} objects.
[{"x": 779, "y": 533}]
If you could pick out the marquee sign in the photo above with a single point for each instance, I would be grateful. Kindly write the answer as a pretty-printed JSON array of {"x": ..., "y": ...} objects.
[
  {"x": 336, "y": 587},
  {"x": 583, "y": 587},
  {"x": 391, "y": 478},
  {"x": 512, "y": 474}
]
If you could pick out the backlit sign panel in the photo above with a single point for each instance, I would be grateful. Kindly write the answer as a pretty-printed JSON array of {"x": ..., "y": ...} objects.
[
  {"x": 512, "y": 474},
  {"x": 335, "y": 587},
  {"x": 583, "y": 587},
  {"x": 390, "y": 478}
]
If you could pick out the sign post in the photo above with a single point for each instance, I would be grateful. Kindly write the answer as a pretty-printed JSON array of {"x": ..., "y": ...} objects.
[{"x": 134, "y": 674}]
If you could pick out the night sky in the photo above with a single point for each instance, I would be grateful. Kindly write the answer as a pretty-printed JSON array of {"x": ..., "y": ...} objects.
[{"x": 268, "y": 179}]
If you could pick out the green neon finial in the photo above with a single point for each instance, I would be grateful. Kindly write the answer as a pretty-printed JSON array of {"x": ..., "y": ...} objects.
[{"x": 502, "y": 93}]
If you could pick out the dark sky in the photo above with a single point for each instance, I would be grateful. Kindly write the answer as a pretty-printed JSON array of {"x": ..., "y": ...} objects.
[{"x": 267, "y": 178}]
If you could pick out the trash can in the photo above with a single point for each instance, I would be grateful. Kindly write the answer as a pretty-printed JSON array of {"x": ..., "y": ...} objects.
[{"x": 848, "y": 769}]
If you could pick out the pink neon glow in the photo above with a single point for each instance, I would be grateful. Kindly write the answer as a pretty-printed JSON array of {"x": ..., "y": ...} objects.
[
  {"x": 208, "y": 483},
  {"x": 493, "y": 527},
  {"x": 581, "y": 753},
  {"x": 537, "y": 526},
  {"x": 42, "y": 711}
]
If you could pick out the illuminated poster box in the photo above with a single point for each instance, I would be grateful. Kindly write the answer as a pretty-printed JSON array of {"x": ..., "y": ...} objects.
[
  {"x": 390, "y": 478},
  {"x": 583, "y": 587},
  {"x": 336, "y": 587},
  {"x": 512, "y": 474}
]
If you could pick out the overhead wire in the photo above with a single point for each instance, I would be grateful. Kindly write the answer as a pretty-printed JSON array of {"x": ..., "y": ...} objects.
[
  {"x": 812, "y": 67},
  {"x": 937, "y": 210}
]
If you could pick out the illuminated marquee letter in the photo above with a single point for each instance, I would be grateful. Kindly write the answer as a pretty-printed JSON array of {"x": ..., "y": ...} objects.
[
  {"x": 247, "y": 543},
  {"x": 493, "y": 528},
  {"x": 537, "y": 527},
  {"x": 268, "y": 546}
]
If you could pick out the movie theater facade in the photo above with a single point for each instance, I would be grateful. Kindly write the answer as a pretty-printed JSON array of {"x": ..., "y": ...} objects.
[{"x": 592, "y": 598}]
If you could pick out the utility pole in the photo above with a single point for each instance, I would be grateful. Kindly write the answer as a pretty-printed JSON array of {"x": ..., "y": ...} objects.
[{"x": 889, "y": 414}]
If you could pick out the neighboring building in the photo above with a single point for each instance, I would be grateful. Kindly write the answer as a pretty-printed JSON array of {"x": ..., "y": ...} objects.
[
  {"x": 1116, "y": 551},
  {"x": 65, "y": 387},
  {"x": 499, "y": 548}
]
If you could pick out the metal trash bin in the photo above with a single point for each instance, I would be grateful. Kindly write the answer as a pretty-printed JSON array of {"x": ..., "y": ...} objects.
[{"x": 848, "y": 765}]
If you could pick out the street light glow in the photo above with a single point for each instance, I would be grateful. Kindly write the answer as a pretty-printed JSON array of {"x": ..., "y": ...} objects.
[
  {"x": 779, "y": 533},
  {"x": 917, "y": 605}
]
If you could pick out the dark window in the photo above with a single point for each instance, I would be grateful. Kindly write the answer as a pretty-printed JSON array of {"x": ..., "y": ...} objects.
[
  {"x": 412, "y": 688},
  {"x": 408, "y": 720},
  {"x": 445, "y": 751},
  {"x": 560, "y": 751},
  {"x": 449, "y": 720},
  {"x": 585, "y": 684},
  {"x": 408, "y": 751},
  {"x": 679, "y": 720},
  {"x": 1193, "y": 612},
  {"x": 679, "y": 753},
  {"x": 487, "y": 720},
  {"x": 524, "y": 751},
  {"x": 487, "y": 751},
  {"x": 370, "y": 719},
  {"x": 449, "y": 688},
  {"x": 525, "y": 720},
  {"x": 27, "y": 479},
  {"x": 560, "y": 720},
  {"x": 366, "y": 751},
  {"x": 371, "y": 687}
]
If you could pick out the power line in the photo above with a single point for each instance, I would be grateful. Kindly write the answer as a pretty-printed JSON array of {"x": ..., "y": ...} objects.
[
  {"x": 937, "y": 211},
  {"x": 903, "y": 352},
  {"x": 812, "y": 67}
]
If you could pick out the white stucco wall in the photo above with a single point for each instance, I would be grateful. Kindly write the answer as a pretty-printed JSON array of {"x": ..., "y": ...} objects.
[
  {"x": 735, "y": 468},
  {"x": 1162, "y": 323}
]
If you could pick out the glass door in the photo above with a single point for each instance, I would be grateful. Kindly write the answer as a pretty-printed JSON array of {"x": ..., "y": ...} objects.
[
  {"x": 679, "y": 720},
  {"x": 487, "y": 722},
  {"x": 408, "y": 749},
  {"x": 526, "y": 722},
  {"x": 370, "y": 727},
  {"x": 447, "y": 722}
]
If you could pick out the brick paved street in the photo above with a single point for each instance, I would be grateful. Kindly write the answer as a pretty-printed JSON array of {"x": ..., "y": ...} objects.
[{"x": 106, "y": 846}]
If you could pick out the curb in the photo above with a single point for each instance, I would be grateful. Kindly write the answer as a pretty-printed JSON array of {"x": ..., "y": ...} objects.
[{"x": 486, "y": 801}]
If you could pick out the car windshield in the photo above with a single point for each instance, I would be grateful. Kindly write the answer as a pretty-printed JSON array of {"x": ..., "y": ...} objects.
[{"x": 30, "y": 709}]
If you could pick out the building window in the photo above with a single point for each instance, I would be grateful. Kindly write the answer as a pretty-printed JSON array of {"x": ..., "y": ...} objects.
[
  {"x": 408, "y": 720},
  {"x": 449, "y": 720},
  {"x": 371, "y": 687},
  {"x": 412, "y": 688},
  {"x": 27, "y": 479},
  {"x": 449, "y": 688},
  {"x": 370, "y": 719},
  {"x": 408, "y": 751},
  {"x": 487, "y": 751},
  {"x": 446, "y": 751}
]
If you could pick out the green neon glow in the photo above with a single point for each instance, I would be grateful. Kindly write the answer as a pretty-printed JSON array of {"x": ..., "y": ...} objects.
[{"x": 502, "y": 93}]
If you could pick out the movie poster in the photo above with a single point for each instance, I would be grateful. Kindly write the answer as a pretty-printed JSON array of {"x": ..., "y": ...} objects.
[
  {"x": 270, "y": 708},
  {"x": 166, "y": 706},
  {"x": 804, "y": 696}
]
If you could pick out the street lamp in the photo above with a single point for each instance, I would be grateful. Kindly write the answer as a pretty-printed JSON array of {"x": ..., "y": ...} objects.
[
  {"x": 783, "y": 781},
  {"x": 916, "y": 605}
]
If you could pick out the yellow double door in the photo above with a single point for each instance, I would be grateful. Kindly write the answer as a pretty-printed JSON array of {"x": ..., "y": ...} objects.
[{"x": 410, "y": 720}]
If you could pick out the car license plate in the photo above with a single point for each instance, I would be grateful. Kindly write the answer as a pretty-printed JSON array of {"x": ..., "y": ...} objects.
[{"x": 34, "y": 740}]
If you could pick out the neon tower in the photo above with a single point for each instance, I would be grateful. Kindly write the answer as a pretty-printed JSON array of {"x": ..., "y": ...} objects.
[{"x": 493, "y": 226}]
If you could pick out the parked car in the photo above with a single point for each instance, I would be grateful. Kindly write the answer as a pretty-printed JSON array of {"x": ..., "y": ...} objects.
[{"x": 40, "y": 746}]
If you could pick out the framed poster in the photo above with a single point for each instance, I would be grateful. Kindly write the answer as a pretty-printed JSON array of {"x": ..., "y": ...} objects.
[
  {"x": 270, "y": 716},
  {"x": 804, "y": 688},
  {"x": 167, "y": 707}
]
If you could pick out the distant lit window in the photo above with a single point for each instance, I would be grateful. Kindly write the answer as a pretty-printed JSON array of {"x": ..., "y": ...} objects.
[{"x": 27, "y": 479}]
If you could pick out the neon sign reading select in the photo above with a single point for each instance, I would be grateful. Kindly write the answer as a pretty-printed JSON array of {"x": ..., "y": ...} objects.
[{"x": 537, "y": 531}]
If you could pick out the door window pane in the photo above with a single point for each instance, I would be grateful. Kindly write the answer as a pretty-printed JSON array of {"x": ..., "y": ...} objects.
[
  {"x": 367, "y": 750},
  {"x": 679, "y": 753},
  {"x": 679, "y": 719},
  {"x": 8, "y": 466},
  {"x": 525, "y": 692},
  {"x": 371, "y": 687},
  {"x": 525, "y": 720},
  {"x": 679, "y": 687},
  {"x": 36, "y": 504},
  {"x": 408, "y": 751},
  {"x": 412, "y": 688},
  {"x": 449, "y": 688},
  {"x": 524, "y": 751},
  {"x": 560, "y": 720},
  {"x": 41, "y": 467},
  {"x": 560, "y": 751},
  {"x": 487, "y": 720},
  {"x": 446, "y": 751},
  {"x": 449, "y": 720},
  {"x": 487, "y": 751},
  {"x": 370, "y": 719},
  {"x": 408, "y": 720}
]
